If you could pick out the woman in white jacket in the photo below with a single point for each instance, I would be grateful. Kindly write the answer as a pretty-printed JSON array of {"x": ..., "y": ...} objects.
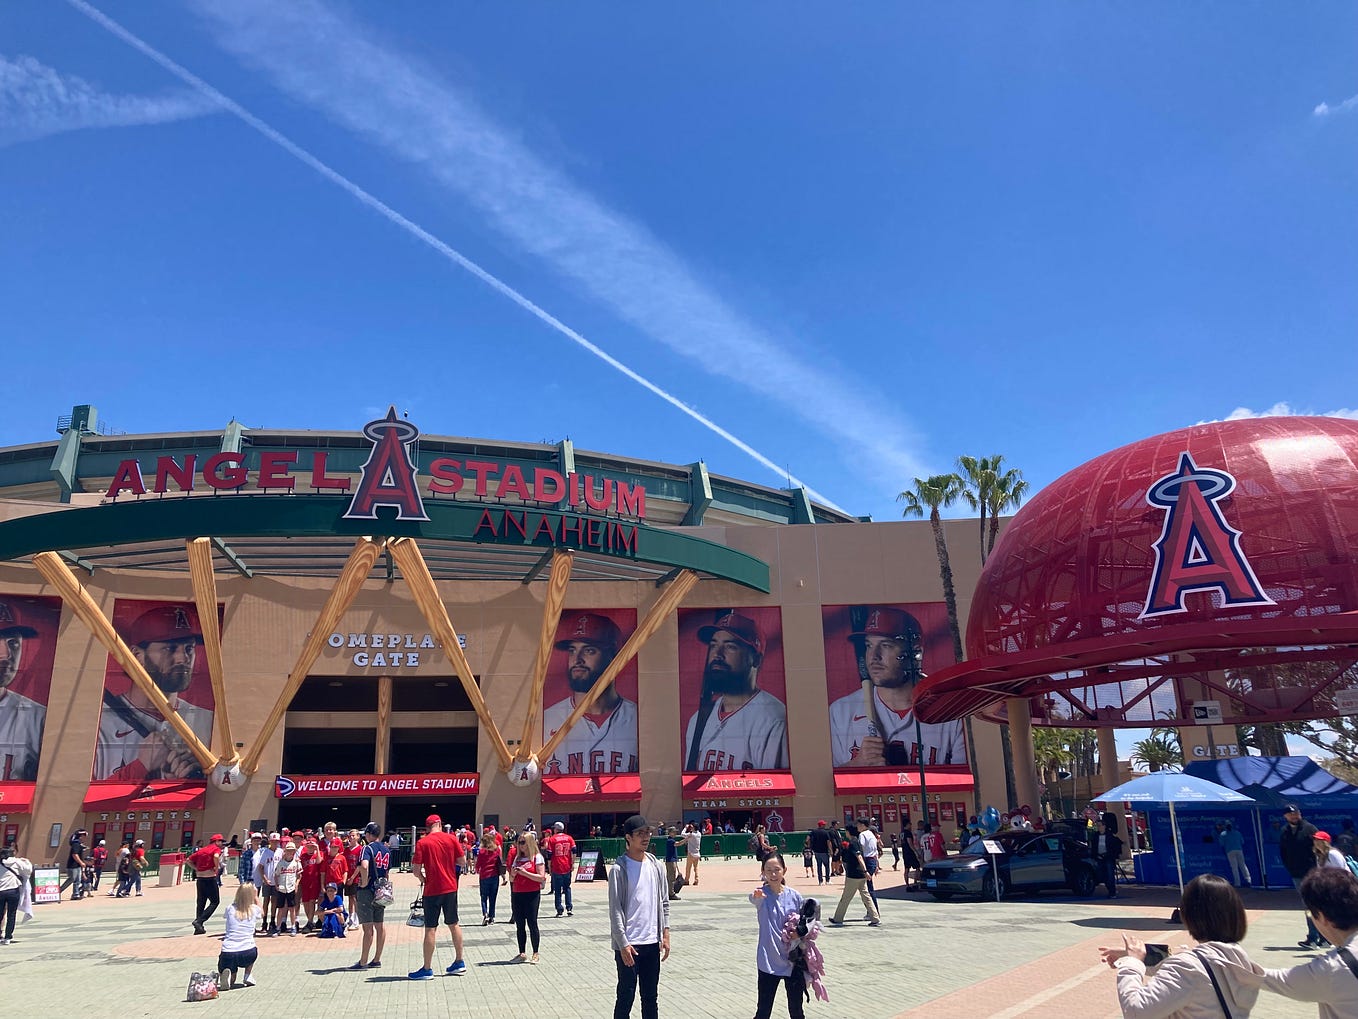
[{"x": 1213, "y": 980}]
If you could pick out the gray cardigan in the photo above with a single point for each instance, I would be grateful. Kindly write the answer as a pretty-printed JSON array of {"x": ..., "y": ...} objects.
[{"x": 618, "y": 892}]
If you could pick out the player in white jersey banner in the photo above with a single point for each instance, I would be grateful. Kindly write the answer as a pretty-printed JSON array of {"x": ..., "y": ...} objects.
[
  {"x": 870, "y": 659},
  {"x": 28, "y": 637},
  {"x": 604, "y": 741},
  {"x": 135, "y": 743},
  {"x": 732, "y": 686}
]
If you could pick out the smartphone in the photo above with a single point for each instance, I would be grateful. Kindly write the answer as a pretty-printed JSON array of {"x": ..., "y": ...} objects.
[{"x": 1155, "y": 954}]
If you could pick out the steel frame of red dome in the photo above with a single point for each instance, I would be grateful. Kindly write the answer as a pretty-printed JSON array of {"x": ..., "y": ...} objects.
[{"x": 1061, "y": 611}]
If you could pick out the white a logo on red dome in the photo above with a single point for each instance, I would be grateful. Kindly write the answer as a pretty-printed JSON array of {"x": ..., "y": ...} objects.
[{"x": 1197, "y": 549}]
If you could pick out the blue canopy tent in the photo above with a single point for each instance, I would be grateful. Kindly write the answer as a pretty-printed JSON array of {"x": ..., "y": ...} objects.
[
  {"x": 1272, "y": 782},
  {"x": 1172, "y": 788}
]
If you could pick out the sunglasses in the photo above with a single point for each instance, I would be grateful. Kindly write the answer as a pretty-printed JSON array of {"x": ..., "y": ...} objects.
[{"x": 523, "y": 842}]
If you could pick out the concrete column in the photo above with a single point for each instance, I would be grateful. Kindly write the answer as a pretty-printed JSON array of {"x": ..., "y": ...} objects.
[
  {"x": 1108, "y": 759},
  {"x": 1021, "y": 740}
]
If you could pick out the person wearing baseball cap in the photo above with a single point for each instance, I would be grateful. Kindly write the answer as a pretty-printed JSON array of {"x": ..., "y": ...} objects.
[
  {"x": 21, "y": 718},
  {"x": 1296, "y": 847},
  {"x": 639, "y": 919},
  {"x": 134, "y": 743},
  {"x": 604, "y": 741},
  {"x": 874, "y": 725},
  {"x": 437, "y": 862},
  {"x": 737, "y": 725},
  {"x": 207, "y": 868}
]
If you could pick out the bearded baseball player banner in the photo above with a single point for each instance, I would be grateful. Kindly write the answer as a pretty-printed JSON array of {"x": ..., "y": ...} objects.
[
  {"x": 604, "y": 741},
  {"x": 732, "y": 689},
  {"x": 28, "y": 640},
  {"x": 135, "y": 742},
  {"x": 874, "y": 657}
]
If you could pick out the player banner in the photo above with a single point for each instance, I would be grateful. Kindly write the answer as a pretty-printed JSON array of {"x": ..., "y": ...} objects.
[
  {"x": 28, "y": 640},
  {"x": 732, "y": 689},
  {"x": 603, "y": 742},
  {"x": 874, "y": 657},
  {"x": 135, "y": 744}
]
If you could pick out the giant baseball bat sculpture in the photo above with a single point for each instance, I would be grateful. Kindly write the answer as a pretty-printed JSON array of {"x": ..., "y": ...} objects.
[
  {"x": 205, "y": 597},
  {"x": 551, "y": 615}
]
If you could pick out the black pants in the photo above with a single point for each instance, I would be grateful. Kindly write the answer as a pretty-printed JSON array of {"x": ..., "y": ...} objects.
[
  {"x": 822, "y": 867},
  {"x": 525, "y": 908},
  {"x": 768, "y": 990},
  {"x": 209, "y": 896},
  {"x": 645, "y": 970},
  {"x": 9, "y": 909}
]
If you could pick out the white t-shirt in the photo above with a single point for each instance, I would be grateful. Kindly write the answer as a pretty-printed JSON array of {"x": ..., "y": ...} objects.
[
  {"x": 695, "y": 843},
  {"x": 14, "y": 873},
  {"x": 867, "y": 841},
  {"x": 643, "y": 904},
  {"x": 240, "y": 934}
]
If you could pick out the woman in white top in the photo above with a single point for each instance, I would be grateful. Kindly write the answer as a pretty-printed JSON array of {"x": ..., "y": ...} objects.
[
  {"x": 1326, "y": 854},
  {"x": 238, "y": 947},
  {"x": 15, "y": 873}
]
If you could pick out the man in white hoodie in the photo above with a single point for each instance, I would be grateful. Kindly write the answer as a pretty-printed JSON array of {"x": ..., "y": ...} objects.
[{"x": 1331, "y": 899}]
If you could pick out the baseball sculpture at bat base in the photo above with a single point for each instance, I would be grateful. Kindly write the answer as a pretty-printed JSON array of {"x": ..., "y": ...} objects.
[
  {"x": 227, "y": 777},
  {"x": 524, "y": 773}
]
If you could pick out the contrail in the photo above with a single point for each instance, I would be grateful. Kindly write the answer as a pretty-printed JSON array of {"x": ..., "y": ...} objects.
[{"x": 417, "y": 231}]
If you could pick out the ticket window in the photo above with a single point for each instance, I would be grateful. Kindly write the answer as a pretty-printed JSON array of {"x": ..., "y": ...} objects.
[
  {"x": 100, "y": 829},
  {"x": 129, "y": 832},
  {"x": 11, "y": 836},
  {"x": 961, "y": 814},
  {"x": 186, "y": 841},
  {"x": 158, "y": 835}
]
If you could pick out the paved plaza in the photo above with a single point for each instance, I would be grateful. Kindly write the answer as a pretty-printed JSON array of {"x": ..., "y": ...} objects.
[{"x": 1025, "y": 957}]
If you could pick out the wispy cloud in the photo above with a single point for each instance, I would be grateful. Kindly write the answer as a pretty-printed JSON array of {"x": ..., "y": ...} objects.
[
  {"x": 384, "y": 210},
  {"x": 318, "y": 56},
  {"x": 1284, "y": 409},
  {"x": 1326, "y": 110},
  {"x": 37, "y": 100}
]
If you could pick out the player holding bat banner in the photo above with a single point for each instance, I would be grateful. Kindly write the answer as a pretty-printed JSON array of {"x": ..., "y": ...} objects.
[{"x": 875, "y": 727}]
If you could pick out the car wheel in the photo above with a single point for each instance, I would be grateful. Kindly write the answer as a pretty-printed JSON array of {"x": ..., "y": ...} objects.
[
  {"x": 1083, "y": 884},
  {"x": 942, "y": 896},
  {"x": 988, "y": 887}
]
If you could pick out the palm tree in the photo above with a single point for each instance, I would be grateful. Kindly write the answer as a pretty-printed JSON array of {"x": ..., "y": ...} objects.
[
  {"x": 1051, "y": 753},
  {"x": 1160, "y": 750},
  {"x": 934, "y": 494},
  {"x": 1007, "y": 490}
]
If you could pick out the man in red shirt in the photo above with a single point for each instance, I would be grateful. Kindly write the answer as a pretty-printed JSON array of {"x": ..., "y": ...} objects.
[
  {"x": 205, "y": 863},
  {"x": 560, "y": 847},
  {"x": 437, "y": 858}
]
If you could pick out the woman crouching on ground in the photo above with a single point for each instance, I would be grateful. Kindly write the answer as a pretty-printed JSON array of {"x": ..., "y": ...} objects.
[
  {"x": 1204, "y": 982},
  {"x": 238, "y": 947}
]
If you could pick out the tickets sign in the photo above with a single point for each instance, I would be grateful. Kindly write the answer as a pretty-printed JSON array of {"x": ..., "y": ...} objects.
[{"x": 342, "y": 786}]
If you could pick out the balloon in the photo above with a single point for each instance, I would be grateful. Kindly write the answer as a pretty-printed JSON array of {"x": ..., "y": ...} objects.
[{"x": 990, "y": 820}]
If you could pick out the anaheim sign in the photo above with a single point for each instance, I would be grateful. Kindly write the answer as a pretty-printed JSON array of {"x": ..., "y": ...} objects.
[{"x": 387, "y": 479}]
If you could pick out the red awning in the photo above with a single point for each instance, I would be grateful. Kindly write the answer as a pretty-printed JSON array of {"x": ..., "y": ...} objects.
[
  {"x": 893, "y": 780},
  {"x": 145, "y": 796},
  {"x": 17, "y": 797},
  {"x": 567, "y": 788},
  {"x": 702, "y": 785}
]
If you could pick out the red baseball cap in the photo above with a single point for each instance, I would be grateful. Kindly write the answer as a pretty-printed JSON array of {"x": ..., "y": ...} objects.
[
  {"x": 743, "y": 628},
  {"x": 168, "y": 622},
  {"x": 216, "y": 838},
  {"x": 433, "y": 821},
  {"x": 12, "y": 623},
  {"x": 336, "y": 843},
  {"x": 820, "y": 824},
  {"x": 590, "y": 627},
  {"x": 886, "y": 622}
]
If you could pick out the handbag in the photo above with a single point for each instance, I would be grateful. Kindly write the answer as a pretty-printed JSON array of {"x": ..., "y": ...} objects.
[
  {"x": 202, "y": 987},
  {"x": 1221, "y": 998},
  {"x": 383, "y": 892},
  {"x": 501, "y": 868},
  {"x": 416, "y": 918}
]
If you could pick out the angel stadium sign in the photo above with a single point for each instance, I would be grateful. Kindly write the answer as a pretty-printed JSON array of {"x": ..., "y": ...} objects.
[{"x": 388, "y": 478}]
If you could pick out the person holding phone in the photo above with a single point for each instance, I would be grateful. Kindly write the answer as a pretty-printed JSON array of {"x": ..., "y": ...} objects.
[
  {"x": 525, "y": 892},
  {"x": 1205, "y": 982}
]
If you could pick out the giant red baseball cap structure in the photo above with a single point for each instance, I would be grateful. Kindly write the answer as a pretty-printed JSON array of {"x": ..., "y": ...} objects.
[{"x": 1216, "y": 562}]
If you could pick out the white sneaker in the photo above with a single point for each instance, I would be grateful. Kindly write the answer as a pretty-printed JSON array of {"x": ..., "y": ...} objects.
[{"x": 249, "y": 981}]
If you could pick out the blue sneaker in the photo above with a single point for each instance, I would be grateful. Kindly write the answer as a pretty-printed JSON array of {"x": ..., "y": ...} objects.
[
  {"x": 459, "y": 968},
  {"x": 422, "y": 974}
]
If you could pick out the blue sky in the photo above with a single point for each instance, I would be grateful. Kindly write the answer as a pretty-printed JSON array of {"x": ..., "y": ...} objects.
[{"x": 862, "y": 241}]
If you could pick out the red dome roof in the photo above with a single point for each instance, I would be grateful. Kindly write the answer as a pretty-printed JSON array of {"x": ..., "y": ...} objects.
[{"x": 1236, "y": 535}]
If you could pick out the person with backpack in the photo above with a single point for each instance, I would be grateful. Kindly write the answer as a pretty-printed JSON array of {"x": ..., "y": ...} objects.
[
  {"x": 374, "y": 866},
  {"x": 98, "y": 857}
]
